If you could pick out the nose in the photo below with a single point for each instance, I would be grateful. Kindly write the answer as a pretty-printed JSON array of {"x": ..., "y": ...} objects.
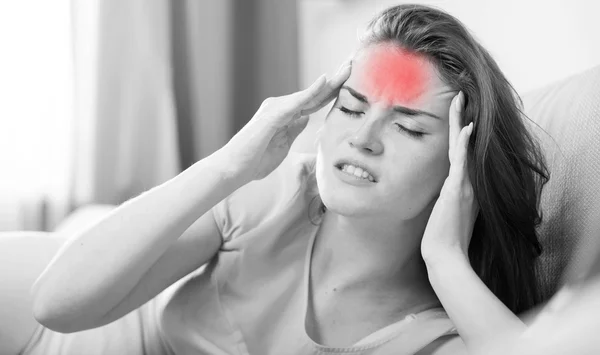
[{"x": 365, "y": 140}]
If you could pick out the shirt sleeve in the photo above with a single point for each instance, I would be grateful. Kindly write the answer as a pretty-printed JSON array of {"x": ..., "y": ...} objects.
[{"x": 259, "y": 200}]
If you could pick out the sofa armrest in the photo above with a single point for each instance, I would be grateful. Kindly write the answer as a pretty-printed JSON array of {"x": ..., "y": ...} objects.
[{"x": 83, "y": 218}]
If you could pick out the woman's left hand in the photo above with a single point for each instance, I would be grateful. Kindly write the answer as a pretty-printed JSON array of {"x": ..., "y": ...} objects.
[{"x": 453, "y": 216}]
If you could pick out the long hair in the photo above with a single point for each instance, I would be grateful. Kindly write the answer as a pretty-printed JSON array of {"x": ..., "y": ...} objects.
[{"x": 506, "y": 165}]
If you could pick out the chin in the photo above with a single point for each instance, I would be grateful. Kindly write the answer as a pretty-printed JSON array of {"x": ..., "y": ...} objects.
[
  {"x": 345, "y": 206},
  {"x": 340, "y": 197}
]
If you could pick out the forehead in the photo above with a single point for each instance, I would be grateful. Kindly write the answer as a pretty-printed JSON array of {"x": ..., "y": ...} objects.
[{"x": 395, "y": 76}]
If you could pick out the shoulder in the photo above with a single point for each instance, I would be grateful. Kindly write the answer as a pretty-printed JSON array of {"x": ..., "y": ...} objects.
[
  {"x": 285, "y": 189},
  {"x": 448, "y": 342},
  {"x": 292, "y": 176},
  {"x": 451, "y": 344},
  {"x": 293, "y": 171}
]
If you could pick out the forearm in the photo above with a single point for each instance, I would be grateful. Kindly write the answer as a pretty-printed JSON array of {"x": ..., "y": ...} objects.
[
  {"x": 477, "y": 313},
  {"x": 94, "y": 270}
]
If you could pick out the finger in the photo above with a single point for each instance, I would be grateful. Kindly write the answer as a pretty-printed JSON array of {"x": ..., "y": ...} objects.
[
  {"x": 455, "y": 122},
  {"x": 459, "y": 160},
  {"x": 296, "y": 127},
  {"x": 320, "y": 104},
  {"x": 330, "y": 90},
  {"x": 335, "y": 83},
  {"x": 300, "y": 98}
]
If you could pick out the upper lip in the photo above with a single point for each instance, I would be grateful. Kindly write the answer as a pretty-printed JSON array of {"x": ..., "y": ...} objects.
[{"x": 339, "y": 163}]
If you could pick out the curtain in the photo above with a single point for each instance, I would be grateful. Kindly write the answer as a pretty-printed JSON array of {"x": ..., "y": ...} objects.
[
  {"x": 161, "y": 84},
  {"x": 125, "y": 127},
  {"x": 228, "y": 57}
]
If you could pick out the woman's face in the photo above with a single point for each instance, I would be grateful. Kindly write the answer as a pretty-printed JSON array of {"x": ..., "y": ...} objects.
[{"x": 390, "y": 118}]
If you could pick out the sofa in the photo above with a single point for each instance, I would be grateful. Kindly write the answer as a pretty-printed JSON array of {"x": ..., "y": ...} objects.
[{"x": 566, "y": 119}]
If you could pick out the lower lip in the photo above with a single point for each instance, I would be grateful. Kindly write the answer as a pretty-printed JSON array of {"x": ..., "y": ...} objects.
[{"x": 352, "y": 179}]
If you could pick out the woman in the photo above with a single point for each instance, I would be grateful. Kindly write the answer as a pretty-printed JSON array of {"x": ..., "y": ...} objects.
[{"x": 364, "y": 248}]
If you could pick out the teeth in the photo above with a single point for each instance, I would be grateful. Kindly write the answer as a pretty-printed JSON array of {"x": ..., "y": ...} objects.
[{"x": 358, "y": 172}]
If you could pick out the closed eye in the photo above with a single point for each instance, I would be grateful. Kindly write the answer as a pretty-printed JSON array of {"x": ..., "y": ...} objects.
[
  {"x": 350, "y": 112},
  {"x": 412, "y": 133}
]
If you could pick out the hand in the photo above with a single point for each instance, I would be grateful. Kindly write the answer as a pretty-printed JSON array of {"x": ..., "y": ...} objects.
[
  {"x": 450, "y": 225},
  {"x": 262, "y": 144}
]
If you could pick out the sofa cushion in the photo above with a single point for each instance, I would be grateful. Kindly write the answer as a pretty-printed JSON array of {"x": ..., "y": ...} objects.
[
  {"x": 83, "y": 218},
  {"x": 568, "y": 113}
]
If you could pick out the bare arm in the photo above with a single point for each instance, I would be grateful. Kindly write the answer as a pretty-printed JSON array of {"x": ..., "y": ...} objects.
[
  {"x": 194, "y": 248},
  {"x": 87, "y": 282},
  {"x": 476, "y": 312},
  {"x": 135, "y": 252},
  {"x": 479, "y": 316}
]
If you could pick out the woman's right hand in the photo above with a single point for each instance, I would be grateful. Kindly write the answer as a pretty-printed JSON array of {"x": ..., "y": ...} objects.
[{"x": 264, "y": 142}]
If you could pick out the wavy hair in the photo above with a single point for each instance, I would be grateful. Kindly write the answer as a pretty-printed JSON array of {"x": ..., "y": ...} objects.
[{"x": 506, "y": 165}]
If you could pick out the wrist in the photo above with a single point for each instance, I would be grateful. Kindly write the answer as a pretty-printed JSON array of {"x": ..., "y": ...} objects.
[
  {"x": 217, "y": 167},
  {"x": 228, "y": 170},
  {"x": 446, "y": 269},
  {"x": 444, "y": 256}
]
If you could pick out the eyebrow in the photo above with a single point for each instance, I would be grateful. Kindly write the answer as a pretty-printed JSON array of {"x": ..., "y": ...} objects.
[{"x": 401, "y": 109}]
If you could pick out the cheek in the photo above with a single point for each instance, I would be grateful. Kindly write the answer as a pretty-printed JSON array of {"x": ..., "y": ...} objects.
[
  {"x": 332, "y": 131},
  {"x": 433, "y": 165},
  {"x": 419, "y": 179}
]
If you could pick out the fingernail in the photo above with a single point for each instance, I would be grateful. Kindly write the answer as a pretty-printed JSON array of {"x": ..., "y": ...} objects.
[
  {"x": 347, "y": 63},
  {"x": 470, "y": 128},
  {"x": 343, "y": 70}
]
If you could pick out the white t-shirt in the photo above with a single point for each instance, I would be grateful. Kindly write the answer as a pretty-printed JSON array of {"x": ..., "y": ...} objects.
[{"x": 252, "y": 298}]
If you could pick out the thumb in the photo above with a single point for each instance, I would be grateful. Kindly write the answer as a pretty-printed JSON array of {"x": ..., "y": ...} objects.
[{"x": 296, "y": 127}]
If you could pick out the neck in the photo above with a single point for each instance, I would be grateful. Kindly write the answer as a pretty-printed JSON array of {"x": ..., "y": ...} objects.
[{"x": 372, "y": 256}]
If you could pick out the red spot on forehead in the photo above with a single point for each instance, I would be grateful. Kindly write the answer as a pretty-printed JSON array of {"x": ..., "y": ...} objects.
[{"x": 394, "y": 75}]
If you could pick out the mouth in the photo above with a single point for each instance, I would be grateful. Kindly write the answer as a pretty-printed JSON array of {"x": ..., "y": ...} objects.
[{"x": 356, "y": 169}]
